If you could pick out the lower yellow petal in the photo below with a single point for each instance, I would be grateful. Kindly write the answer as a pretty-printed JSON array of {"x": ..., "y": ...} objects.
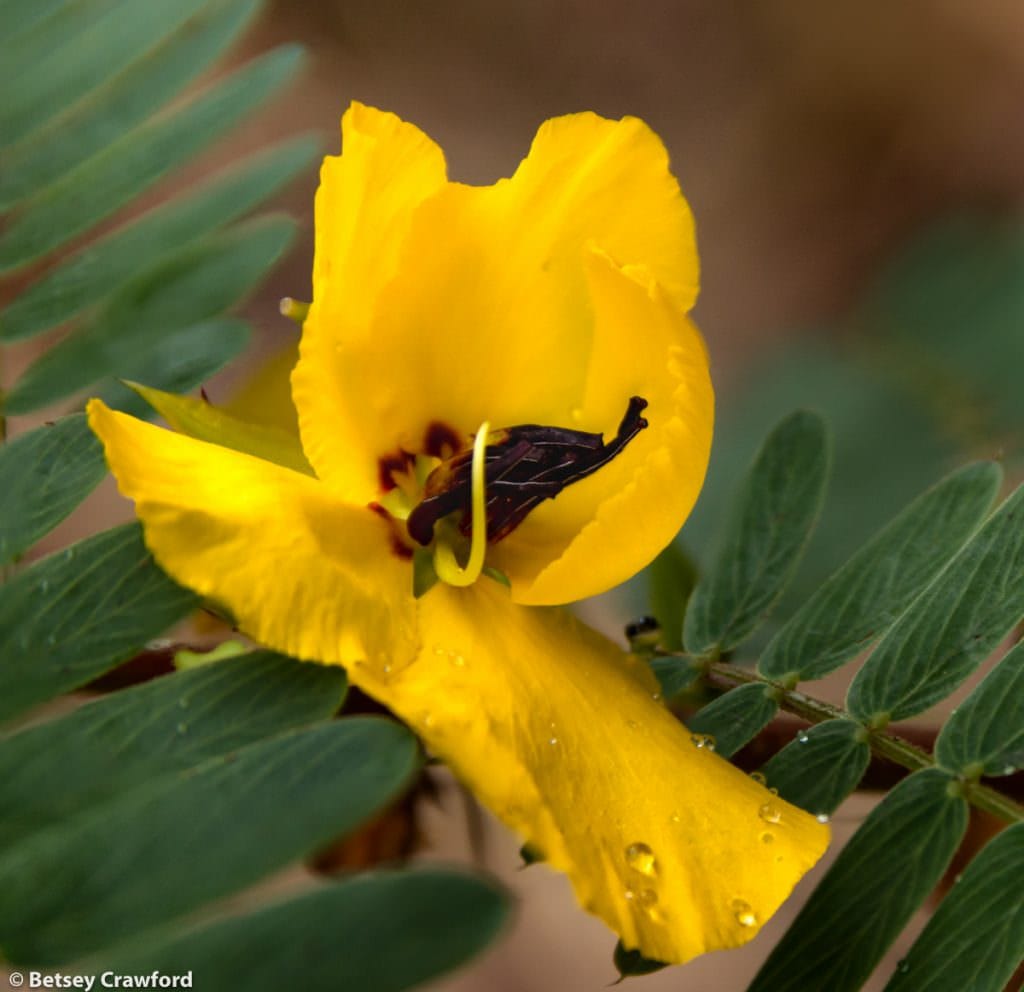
[
  {"x": 299, "y": 571},
  {"x": 557, "y": 731}
]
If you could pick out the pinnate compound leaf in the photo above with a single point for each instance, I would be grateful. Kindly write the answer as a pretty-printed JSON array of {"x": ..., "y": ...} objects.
[
  {"x": 736, "y": 717},
  {"x": 381, "y": 931},
  {"x": 821, "y": 767},
  {"x": 95, "y": 272},
  {"x": 975, "y": 940},
  {"x": 78, "y": 613},
  {"x": 113, "y": 39},
  {"x": 199, "y": 282},
  {"x": 126, "y": 100},
  {"x": 129, "y": 739},
  {"x": 865, "y": 597},
  {"x": 955, "y": 624},
  {"x": 121, "y": 868},
  {"x": 46, "y": 473},
  {"x": 122, "y": 170},
  {"x": 765, "y": 535},
  {"x": 882, "y": 875},
  {"x": 987, "y": 730}
]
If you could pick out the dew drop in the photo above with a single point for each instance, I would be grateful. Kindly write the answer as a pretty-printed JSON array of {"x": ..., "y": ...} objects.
[
  {"x": 774, "y": 791},
  {"x": 629, "y": 895},
  {"x": 743, "y": 912},
  {"x": 770, "y": 813},
  {"x": 803, "y": 737},
  {"x": 656, "y": 696},
  {"x": 767, "y": 837},
  {"x": 387, "y": 669},
  {"x": 823, "y": 818},
  {"x": 641, "y": 858},
  {"x": 438, "y": 650},
  {"x": 428, "y": 720},
  {"x": 703, "y": 742},
  {"x": 647, "y": 898},
  {"x": 674, "y": 818},
  {"x": 759, "y": 778},
  {"x": 456, "y": 659},
  {"x": 552, "y": 741}
]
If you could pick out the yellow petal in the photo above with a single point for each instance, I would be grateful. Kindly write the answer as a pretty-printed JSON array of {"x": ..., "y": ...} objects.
[
  {"x": 555, "y": 729},
  {"x": 601, "y": 530},
  {"x": 363, "y": 210},
  {"x": 265, "y": 395},
  {"x": 299, "y": 571},
  {"x": 205, "y": 422},
  {"x": 488, "y": 315}
]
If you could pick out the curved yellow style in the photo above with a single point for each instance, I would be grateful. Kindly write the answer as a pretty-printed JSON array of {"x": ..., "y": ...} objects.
[{"x": 553, "y": 306}]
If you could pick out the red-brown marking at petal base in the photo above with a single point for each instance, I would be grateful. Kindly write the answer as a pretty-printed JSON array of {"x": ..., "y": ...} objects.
[
  {"x": 442, "y": 441},
  {"x": 399, "y": 548},
  {"x": 388, "y": 465}
]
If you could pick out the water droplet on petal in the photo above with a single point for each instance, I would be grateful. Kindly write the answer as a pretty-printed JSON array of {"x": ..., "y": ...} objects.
[
  {"x": 641, "y": 858},
  {"x": 456, "y": 659},
  {"x": 770, "y": 813},
  {"x": 758, "y": 777},
  {"x": 767, "y": 837},
  {"x": 552, "y": 741},
  {"x": 822, "y": 818},
  {"x": 629, "y": 895},
  {"x": 745, "y": 915},
  {"x": 428, "y": 720},
  {"x": 704, "y": 742},
  {"x": 674, "y": 818},
  {"x": 386, "y": 669},
  {"x": 632, "y": 724},
  {"x": 647, "y": 898},
  {"x": 656, "y": 696},
  {"x": 774, "y": 791},
  {"x": 439, "y": 650}
]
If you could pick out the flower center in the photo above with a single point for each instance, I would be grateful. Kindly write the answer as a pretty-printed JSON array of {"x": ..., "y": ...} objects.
[{"x": 478, "y": 494}]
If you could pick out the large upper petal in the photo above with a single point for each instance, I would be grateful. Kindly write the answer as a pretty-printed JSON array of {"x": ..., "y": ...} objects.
[
  {"x": 555, "y": 729},
  {"x": 488, "y": 314},
  {"x": 300, "y": 571}
]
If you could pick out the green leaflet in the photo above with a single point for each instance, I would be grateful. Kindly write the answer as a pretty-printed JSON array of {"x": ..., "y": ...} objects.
[
  {"x": 985, "y": 733},
  {"x": 882, "y": 875},
  {"x": 736, "y": 717},
  {"x": 769, "y": 524},
  {"x": 865, "y": 597},
  {"x": 158, "y": 852},
  {"x": 199, "y": 282},
  {"x": 382, "y": 931},
  {"x": 98, "y": 270},
  {"x": 124, "y": 101},
  {"x": 78, "y": 613},
  {"x": 951, "y": 627},
  {"x": 129, "y": 739},
  {"x": 821, "y": 767},
  {"x": 46, "y": 473},
  {"x": 123, "y": 169},
  {"x": 975, "y": 940},
  {"x": 112, "y": 40}
]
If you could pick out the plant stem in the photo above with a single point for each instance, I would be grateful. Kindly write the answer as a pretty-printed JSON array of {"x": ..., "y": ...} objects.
[{"x": 882, "y": 744}]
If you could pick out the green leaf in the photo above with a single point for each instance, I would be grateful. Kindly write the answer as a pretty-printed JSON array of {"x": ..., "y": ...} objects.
[
  {"x": 44, "y": 26},
  {"x": 113, "y": 39},
  {"x": 198, "y": 283},
  {"x": 47, "y": 473},
  {"x": 675, "y": 675},
  {"x": 880, "y": 877},
  {"x": 975, "y": 940},
  {"x": 866, "y": 596},
  {"x": 819, "y": 769},
  {"x": 122, "y": 170},
  {"x": 178, "y": 362},
  {"x": 105, "y": 114},
  {"x": 98, "y": 270},
  {"x": 987, "y": 730},
  {"x": 735, "y": 718},
  {"x": 768, "y": 526},
  {"x": 78, "y": 613},
  {"x": 131, "y": 738},
  {"x": 378, "y": 932},
  {"x": 952, "y": 626},
  {"x": 161, "y": 851},
  {"x": 671, "y": 578}
]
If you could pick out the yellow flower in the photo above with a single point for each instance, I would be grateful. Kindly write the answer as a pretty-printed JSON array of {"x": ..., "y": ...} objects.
[{"x": 551, "y": 306}]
